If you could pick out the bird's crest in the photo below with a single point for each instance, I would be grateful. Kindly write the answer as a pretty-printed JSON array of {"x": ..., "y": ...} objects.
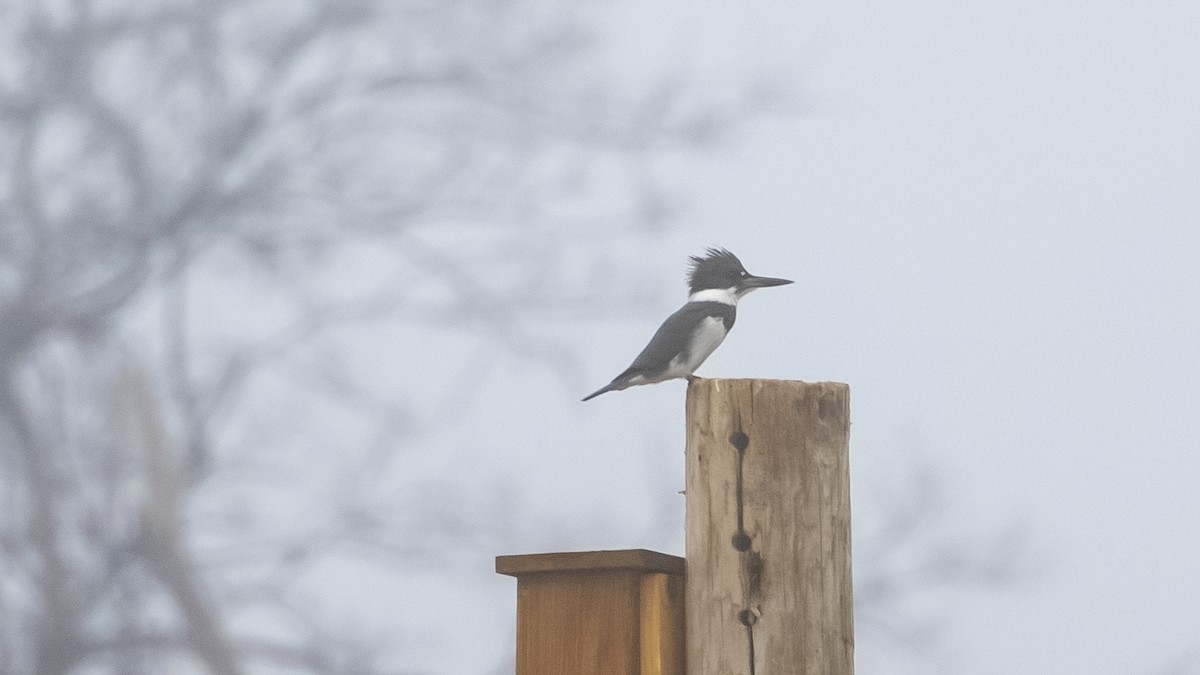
[{"x": 713, "y": 261}]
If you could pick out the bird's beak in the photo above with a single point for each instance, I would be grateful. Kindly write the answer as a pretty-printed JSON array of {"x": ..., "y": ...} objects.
[{"x": 763, "y": 282}]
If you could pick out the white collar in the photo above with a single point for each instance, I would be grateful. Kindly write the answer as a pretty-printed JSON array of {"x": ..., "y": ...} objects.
[{"x": 725, "y": 296}]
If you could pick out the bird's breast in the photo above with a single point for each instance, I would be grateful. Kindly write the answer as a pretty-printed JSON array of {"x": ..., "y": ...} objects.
[{"x": 707, "y": 336}]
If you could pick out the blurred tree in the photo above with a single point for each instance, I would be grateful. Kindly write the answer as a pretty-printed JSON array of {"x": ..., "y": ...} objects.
[
  {"x": 911, "y": 560},
  {"x": 206, "y": 208},
  {"x": 217, "y": 220}
]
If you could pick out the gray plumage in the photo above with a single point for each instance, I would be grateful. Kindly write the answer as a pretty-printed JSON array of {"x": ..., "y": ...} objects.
[
  {"x": 670, "y": 345},
  {"x": 716, "y": 282}
]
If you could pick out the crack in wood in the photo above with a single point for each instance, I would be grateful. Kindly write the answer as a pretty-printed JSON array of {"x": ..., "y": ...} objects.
[
  {"x": 740, "y": 441},
  {"x": 752, "y": 562}
]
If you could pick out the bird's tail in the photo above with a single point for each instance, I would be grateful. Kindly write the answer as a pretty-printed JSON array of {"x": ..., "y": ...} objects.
[
  {"x": 622, "y": 381},
  {"x": 611, "y": 386}
]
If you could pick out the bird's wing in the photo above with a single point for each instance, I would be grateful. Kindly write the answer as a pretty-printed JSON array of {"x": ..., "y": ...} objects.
[{"x": 673, "y": 335}]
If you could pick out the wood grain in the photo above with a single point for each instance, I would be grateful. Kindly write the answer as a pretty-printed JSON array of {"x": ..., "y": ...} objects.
[
  {"x": 598, "y": 612},
  {"x": 662, "y": 629},
  {"x": 771, "y": 595},
  {"x": 633, "y": 559}
]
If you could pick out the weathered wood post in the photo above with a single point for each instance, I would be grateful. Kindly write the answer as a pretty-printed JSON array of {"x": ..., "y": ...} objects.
[
  {"x": 768, "y": 528},
  {"x": 598, "y": 612}
]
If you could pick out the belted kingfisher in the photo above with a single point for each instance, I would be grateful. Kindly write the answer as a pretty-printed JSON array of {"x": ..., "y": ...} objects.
[{"x": 715, "y": 284}]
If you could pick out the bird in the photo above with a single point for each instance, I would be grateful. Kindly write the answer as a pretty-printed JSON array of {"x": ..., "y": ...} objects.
[{"x": 716, "y": 281}]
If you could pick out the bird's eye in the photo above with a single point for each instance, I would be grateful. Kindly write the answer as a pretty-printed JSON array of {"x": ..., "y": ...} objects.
[{"x": 745, "y": 273}]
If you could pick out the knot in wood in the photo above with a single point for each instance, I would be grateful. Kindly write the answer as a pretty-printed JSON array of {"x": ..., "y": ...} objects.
[
  {"x": 739, "y": 440},
  {"x": 741, "y": 541},
  {"x": 749, "y": 617}
]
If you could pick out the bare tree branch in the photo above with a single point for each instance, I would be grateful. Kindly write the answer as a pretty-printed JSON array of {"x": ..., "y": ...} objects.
[{"x": 158, "y": 160}]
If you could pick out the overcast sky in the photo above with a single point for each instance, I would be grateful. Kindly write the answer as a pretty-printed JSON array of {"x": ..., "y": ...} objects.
[{"x": 992, "y": 213}]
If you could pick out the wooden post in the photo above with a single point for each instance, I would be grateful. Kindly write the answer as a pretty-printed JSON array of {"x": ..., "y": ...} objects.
[
  {"x": 598, "y": 612},
  {"x": 768, "y": 528}
]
